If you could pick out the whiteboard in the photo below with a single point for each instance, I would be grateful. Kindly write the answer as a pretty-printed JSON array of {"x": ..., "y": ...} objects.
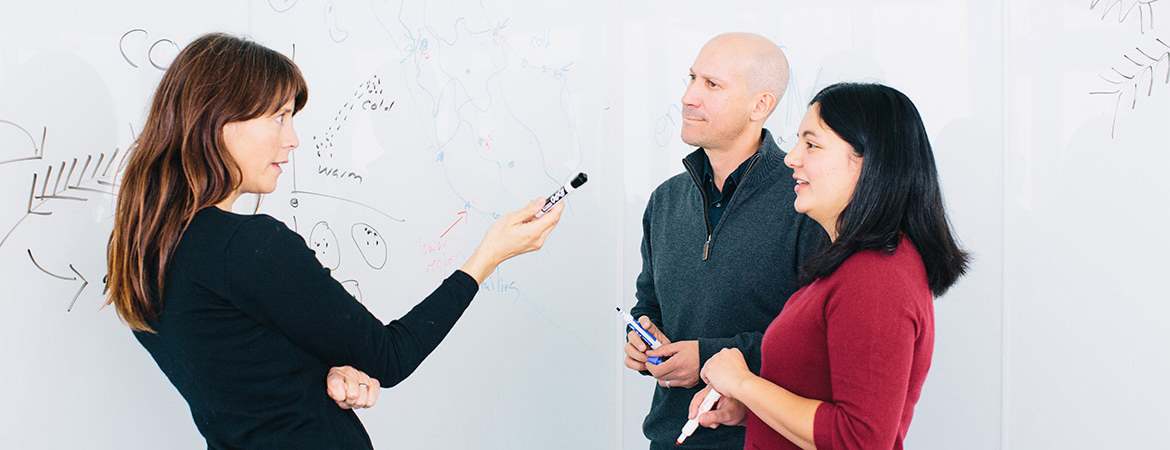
[
  {"x": 1086, "y": 196},
  {"x": 425, "y": 123},
  {"x": 426, "y": 120}
]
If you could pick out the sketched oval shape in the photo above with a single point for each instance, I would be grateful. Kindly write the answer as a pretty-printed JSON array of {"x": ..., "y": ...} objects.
[
  {"x": 323, "y": 242},
  {"x": 370, "y": 244},
  {"x": 353, "y": 288}
]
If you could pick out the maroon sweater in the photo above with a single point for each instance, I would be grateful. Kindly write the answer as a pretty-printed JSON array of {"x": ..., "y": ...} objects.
[{"x": 860, "y": 340}]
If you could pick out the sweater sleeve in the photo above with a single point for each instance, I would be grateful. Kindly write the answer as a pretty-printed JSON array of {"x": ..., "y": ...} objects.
[
  {"x": 747, "y": 342},
  {"x": 645, "y": 293},
  {"x": 871, "y": 329},
  {"x": 275, "y": 278}
]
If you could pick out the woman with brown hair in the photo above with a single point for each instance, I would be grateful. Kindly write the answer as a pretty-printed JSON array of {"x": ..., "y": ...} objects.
[{"x": 235, "y": 309}]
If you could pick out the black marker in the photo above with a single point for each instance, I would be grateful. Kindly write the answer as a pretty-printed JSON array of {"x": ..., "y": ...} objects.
[{"x": 560, "y": 194}]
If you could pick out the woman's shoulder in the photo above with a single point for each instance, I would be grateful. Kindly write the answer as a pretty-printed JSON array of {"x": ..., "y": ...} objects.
[
  {"x": 215, "y": 237},
  {"x": 215, "y": 224},
  {"x": 881, "y": 273},
  {"x": 880, "y": 263},
  {"x": 251, "y": 241}
]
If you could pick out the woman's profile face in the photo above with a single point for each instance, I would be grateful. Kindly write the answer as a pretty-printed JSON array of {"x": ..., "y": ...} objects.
[
  {"x": 826, "y": 169},
  {"x": 259, "y": 146}
]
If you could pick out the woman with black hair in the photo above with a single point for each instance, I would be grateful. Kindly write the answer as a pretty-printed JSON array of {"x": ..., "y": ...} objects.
[{"x": 844, "y": 362}]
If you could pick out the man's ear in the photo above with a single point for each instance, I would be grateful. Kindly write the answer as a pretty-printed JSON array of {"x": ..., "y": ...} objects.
[{"x": 764, "y": 105}]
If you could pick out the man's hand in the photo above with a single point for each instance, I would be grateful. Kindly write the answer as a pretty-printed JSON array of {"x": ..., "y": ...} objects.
[
  {"x": 636, "y": 348},
  {"x": 681, "y": 370}
]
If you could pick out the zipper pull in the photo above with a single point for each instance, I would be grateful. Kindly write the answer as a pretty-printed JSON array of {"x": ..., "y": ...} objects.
[{"x": 707, "y": 248}]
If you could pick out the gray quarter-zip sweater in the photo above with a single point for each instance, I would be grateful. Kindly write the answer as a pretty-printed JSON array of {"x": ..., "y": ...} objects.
[{"x": 721, "y": 285}]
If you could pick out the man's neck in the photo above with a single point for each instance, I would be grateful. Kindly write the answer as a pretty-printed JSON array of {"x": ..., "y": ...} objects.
[{"x": 726, "y": 159}]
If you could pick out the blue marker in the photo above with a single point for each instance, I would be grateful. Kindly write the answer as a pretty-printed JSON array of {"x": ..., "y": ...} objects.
[{"x": 646, "y": 336}]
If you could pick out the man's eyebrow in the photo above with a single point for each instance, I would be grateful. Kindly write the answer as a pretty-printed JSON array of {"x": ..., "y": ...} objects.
[{"x": 707, "y": 76}]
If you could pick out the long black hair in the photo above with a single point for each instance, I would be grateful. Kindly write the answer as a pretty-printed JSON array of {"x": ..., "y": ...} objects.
[{"x": 897, "y": 192}]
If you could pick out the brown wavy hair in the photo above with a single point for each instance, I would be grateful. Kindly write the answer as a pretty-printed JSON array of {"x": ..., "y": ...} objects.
[{"x": 179, "y": 163}]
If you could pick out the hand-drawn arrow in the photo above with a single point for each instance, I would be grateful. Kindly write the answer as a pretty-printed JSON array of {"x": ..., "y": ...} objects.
[
  {"x": 38, "y": 151},
  {"x": 462, "y": 215},
  {"x": 84, "y": 282}
]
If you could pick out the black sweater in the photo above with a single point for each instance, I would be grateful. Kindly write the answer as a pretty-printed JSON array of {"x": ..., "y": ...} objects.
[{"x": 251, "y": 323}]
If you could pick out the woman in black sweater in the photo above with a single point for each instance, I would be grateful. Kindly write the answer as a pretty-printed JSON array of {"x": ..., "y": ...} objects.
[{"x": 235, "y": 309}]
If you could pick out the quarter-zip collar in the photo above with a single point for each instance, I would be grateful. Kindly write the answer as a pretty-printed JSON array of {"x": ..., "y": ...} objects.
[{"x": 766, "y": 158}]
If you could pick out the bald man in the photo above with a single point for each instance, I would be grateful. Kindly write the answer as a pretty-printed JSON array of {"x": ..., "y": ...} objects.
[{"x": 721, "y": 243}]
